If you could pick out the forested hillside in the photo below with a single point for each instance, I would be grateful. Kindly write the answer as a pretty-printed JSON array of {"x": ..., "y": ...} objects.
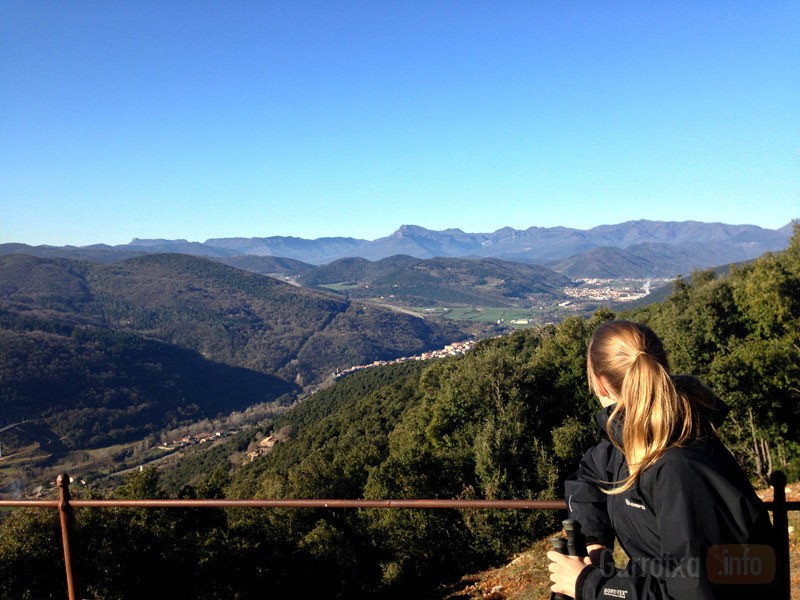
[
  {"x": 95, "y": 354},
  {"x": 81, "y": 388},
  {"x": 647, "y": 260},
  {"x": 508, "y": 420},
  {"x": 230, "y": 316}
]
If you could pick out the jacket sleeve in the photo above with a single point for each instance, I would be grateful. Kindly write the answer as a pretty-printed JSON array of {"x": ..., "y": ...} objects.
[
  {"x": 586, "y": 502},
  {"x": 686, "y": 510}
]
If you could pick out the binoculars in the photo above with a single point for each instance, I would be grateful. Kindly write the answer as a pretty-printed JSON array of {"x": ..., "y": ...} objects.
[{"x": 573, "y": 545}]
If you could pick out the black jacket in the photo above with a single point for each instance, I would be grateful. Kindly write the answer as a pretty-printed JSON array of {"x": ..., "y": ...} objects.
[{"x": 692, "y": 525}]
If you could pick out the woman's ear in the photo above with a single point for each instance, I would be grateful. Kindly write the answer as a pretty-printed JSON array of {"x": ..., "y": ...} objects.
[
  {"x": 602, "y": 387},
  {"x": 603, "y": 394}
]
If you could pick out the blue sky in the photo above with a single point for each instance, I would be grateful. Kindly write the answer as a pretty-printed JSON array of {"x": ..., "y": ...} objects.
[{"x": 208, "y": 119}]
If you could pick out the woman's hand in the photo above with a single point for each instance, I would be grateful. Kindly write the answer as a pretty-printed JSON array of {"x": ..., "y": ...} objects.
[
  {"x": 593, "y": 550},
  {"x": 564, "y": 571}
]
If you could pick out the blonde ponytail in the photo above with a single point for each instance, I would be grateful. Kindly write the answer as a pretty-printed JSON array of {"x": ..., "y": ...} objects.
[{"x": 655, "y": 416}]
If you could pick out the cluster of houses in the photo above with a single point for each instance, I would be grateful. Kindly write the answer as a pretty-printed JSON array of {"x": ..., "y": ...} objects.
[
  {"x": 264, "y": 446},
  {"x": 453, "y": 349},
  {"x": 190, "y": 440},
  {"x": 601, "y": 289}
]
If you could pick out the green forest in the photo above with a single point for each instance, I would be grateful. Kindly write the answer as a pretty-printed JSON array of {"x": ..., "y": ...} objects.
[
  {"x": 508, "y": 420},
  {"x": 96, "y": 354}
]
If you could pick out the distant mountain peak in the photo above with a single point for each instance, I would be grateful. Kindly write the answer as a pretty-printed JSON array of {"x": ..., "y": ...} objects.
[
  {"x": 156, "y": 242},
  {"x": 410, "y": 231}
]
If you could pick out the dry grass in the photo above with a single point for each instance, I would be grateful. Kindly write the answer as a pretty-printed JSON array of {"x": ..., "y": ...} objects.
[{"x": 524, "y": 578}]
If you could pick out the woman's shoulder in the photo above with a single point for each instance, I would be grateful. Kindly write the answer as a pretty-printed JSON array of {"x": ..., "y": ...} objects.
[
  {"x": 681, "y": 460},
  {"x": 705, "y": 465}
]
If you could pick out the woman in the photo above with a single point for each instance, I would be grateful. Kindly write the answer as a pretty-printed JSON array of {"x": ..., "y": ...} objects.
[{"x": 663, "y": 484}]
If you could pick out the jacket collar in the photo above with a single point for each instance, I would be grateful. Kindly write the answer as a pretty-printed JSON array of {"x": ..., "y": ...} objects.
[{"x": 601, "y": 418}]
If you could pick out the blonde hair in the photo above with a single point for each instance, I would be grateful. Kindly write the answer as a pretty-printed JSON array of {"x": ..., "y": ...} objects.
[{"x": 655, "y": 415}]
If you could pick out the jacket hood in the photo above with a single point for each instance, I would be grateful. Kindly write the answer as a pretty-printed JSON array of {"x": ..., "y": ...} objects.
[{"x": 711, "y": 407}]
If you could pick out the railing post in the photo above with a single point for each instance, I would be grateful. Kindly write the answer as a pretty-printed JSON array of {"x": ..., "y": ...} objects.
[
  {"x": 780, "y": 521},
  {"x": 67, "y": 534}
]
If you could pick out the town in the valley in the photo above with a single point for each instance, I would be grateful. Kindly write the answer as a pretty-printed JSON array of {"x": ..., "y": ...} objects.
[{"x": 614, "y": 290}]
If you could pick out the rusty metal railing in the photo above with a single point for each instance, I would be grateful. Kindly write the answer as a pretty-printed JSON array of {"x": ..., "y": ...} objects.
[{"x": 65, "y": 504}]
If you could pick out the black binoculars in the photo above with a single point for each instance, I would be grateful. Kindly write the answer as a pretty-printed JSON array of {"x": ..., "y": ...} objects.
[{"x": 573, "y": 545}]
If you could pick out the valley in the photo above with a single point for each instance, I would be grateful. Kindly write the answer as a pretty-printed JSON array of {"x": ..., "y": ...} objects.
[
  {"x": 29, "y": 471},
  {"x": 581, "y": 299},
  {"x": 110, "y": 350},
  {"x": 112, "y": 354}
]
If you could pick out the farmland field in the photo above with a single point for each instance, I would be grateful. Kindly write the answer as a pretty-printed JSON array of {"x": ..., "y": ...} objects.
[{"x": 517, "y": 318}]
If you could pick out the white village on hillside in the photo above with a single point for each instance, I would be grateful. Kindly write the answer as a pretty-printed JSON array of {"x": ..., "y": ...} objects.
[{"x": 453, "y": 349}]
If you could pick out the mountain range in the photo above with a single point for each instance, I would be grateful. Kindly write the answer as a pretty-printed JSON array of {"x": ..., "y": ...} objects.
[
  {"x": 632, "y": 249},
  {"x": 533, "y": 245}
]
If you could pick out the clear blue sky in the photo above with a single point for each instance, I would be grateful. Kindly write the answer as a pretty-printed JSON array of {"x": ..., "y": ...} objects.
[{"x": 174, "y": 119}]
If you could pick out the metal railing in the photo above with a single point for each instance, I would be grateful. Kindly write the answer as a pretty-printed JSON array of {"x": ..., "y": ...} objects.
[{"x": 65, "y": 504}]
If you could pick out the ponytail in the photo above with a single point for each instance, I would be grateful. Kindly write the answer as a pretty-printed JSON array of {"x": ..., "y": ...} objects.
[{"x": 655, "y": 415}]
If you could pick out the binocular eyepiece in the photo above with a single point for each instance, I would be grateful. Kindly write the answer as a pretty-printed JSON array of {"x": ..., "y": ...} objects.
[{"x": 573, "y": 545}]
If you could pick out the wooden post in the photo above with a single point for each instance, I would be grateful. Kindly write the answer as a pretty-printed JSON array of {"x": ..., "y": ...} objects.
[
  {"x": 780, "y": 521},
  {"x": 67, "y": 534}
]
